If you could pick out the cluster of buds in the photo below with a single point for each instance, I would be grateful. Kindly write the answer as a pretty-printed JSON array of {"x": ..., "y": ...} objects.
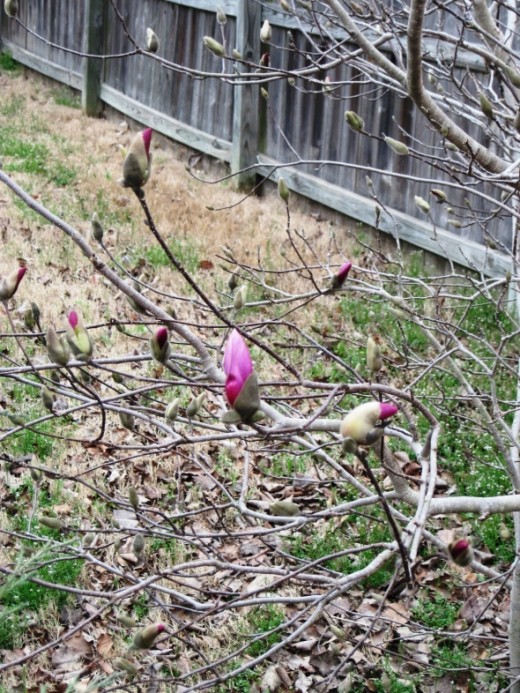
[
  {"x": 364, "y": 425},
  {"x": 10, "y": 284},
  {"x": 138, "y": 161},
  {"x": 241, "y": 388}
]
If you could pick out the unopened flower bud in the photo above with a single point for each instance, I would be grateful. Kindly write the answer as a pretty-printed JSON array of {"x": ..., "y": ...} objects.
[
  {"x": 354, "y": 121},
  {"x": 374, "y": 360},
  {"x": 57, "y": 348},
  {"x": 284, "y": 508},
  {"x": 133, "y": 498},
  {"x": 9, "y": 284},
  {"x": 461, "y": 552},
  {"x": 160, "y": 345},
  {"x": 36, "y": 475},
  {"x": 145, "y": 638},
  {"x": 283, "y": 190},
  {"x": 486, "y": 106},
  {"x": 339, "y": 278},
  {"x": 127, "y": 620},
  {"x": 236, "y": 54},
  {"x": 127, "y": 420},
  {"x": 264, "y": 93},
  {"x": 396, "y": 146},
  {"x": 221, "y": 16},
  {"x": 439, "y": 195},
  {"x": 240, "y": 299},
  {"x": 48, "y": 398},
  {"x": 172, "y": 410},
  {"x": 152, "y": 41},
  {"x": 138, "y": 544},
  {"x": 125, "y": 665},
  {"x": 11, "y": 7},
  {"x": 195, "y": 405},
  {"x": 233, "y": 281},
  {"x": 421, "y": 204},
  {"x": 266, "y": 32},
  {"x": 51, "y": 522},
  {"x": 214, "y": 46},
  {"x": 504, "y": 531},
  {"x": 96, "y": 228},
  {"x": 138, "y": 161}
]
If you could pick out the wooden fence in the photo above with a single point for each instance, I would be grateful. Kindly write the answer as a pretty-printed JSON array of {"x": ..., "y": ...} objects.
[{"x": 231, "y": 123}]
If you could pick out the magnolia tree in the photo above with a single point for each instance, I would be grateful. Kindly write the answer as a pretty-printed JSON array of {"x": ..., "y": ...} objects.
[{"x": 347, "y": 464}]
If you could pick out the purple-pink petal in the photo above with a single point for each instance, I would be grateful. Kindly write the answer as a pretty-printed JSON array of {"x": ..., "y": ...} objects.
[
  {"x": 237, "y": 365},
  {"x": 161, "y": 335},
  {"x": 386, "y": 410},
  {"x": 147, "y": 138},
  {"x": 20, "y": 275},
  {"x": 343, "y": 271},
  {"x": 73, "y": 319}
]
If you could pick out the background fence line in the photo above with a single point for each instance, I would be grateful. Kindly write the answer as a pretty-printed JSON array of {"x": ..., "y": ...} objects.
[{"x": 232, "y": 123}]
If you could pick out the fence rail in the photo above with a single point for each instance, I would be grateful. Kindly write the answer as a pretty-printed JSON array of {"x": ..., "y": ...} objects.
[{"x": 236, "y": 125}]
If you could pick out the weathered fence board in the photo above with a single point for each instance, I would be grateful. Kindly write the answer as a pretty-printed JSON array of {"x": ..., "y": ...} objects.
[{"x": 302, "y": 124}]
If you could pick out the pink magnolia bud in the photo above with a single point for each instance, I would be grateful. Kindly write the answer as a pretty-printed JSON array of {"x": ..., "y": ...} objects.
[
  {"x": 461, "y": 552},
  {"x": 237, "y": 365},
  {"x": 361, "y": 424},
  {"x": 137, "y": 163},
  {"x": 241, "y": 382},
  {"x": 160, "y": 345},
  {"x": 145, "y": 638},
  {"x": 339, "y": 279},
  {"x": 9, "y": 284},
  {"x": 78, "y": 337}
]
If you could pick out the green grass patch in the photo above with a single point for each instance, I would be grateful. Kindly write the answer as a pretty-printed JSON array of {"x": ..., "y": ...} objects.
[
  {"x": 436, "y": 611},
  {"x": 186, "y": 251},
  {"x": 8, "y": 63},
  {"x": 27, "y": 599},
  {"x": 66, "y": 96}
]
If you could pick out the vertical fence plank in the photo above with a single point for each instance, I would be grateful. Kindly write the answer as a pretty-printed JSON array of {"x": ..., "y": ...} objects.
[
  {"x": 93, "y": 43},
  {"x": 246, "y": 97}
]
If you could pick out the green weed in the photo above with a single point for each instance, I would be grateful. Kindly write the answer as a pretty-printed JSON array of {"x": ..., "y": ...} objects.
[
  {"x": 184, "y": 250},
  {"x": 29, "y": 598},
  {"x": 8, "y": 63},
  {"x": 66, "y": 96},
  {"x": 263, "y": 619},
  {"x": 435, "y": 611}
]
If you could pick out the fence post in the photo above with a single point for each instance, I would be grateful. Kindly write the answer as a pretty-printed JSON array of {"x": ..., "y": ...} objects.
[
  {"x": 246, "y": 96},
  {"x": 93, "y": 43}
]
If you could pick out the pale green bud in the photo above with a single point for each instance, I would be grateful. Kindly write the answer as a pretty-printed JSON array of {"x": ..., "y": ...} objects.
[
  {"x": 284, "y": 508},
  {"x": 133, "y": 498},
  {"x": 396, "y": 146},
  {"x": 354, "y": 121},
  {"x": 214, "y": 46},
  {"x": 439, "y": 195},
  {"x": 266, "y": 32},
  {"x": 486, "y": 106},
  {"x": 172, "y": 410},
  {"x": 152, "y": 41},
  {"x": 283, "y": 190},
  {"x": 51, "y": 522},
  {"x": 374, "y": 360},
  {"x": 421, "y": 204},
  {"x": 240, "y": 299},
  {"x": 11, "y": 7},
  {"x": 96, "y": 228},
  {"x": 221, "y": 16}
]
